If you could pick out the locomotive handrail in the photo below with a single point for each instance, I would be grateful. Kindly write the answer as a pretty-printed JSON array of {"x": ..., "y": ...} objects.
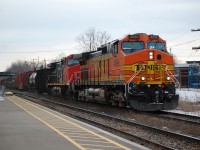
[
  {"x": 131, "y": 78},
  {"x": 73, "y": 75},
  {"x": 174, "y": 78}
]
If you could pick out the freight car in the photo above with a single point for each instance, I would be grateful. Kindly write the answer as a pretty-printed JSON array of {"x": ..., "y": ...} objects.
[{"x": 21, "y": 80}]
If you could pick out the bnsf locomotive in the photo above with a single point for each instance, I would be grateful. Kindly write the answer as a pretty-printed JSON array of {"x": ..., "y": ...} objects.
[{"x": 135, "y": 71}]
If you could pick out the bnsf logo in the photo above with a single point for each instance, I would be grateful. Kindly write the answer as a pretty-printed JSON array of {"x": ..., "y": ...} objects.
[{"x": 149, "y": 67}]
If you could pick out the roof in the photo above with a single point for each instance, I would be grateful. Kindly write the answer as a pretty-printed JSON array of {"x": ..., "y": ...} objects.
[
  {"x": 194, "y": 61},
  {"x": 7, "y": 73},
  {"x": 186, "y": 65}
]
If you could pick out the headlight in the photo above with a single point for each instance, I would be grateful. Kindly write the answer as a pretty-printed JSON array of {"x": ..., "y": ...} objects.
[
  {"x": 150, "y": 55},
  {"x": 142, "y": 78},
  {"x": 167, "y": 78}
]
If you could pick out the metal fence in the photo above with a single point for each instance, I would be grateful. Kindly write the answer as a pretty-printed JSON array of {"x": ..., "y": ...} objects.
[{"x": 188, "y": 81}]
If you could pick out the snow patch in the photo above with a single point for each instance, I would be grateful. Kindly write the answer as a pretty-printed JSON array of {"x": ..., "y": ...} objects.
[{"x": 190, "y": 95}]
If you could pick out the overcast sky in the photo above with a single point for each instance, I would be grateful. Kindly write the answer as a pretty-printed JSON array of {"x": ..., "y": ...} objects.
[{"x": 28, "y": 28}]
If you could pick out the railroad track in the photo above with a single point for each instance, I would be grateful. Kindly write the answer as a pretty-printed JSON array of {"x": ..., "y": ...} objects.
[
  {"x": 182, "y": 117},
  {"x": 144, "y": 134}
]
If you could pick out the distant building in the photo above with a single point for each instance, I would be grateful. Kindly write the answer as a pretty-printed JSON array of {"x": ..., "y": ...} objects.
[{"x": 188, "y": 74}]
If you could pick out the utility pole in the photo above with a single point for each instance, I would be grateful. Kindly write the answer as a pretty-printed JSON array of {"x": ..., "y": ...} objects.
[
  {"x": 38, "y": 60},
  {"x": 33, "y": 62},
  {"x": 45, "y": 63},
  {"x": 193, "y": 30},
  {"x": 195, "y": 48}
]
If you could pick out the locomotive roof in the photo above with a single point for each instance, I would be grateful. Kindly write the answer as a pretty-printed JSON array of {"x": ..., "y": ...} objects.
[{"x": 84, "y": 55}]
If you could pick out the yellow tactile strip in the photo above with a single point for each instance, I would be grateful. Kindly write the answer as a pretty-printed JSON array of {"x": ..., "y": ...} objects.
[{"x": 81, "y": 137}]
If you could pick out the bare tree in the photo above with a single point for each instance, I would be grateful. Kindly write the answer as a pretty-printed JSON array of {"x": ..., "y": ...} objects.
[
  {"x": 58, "y": 58},
  {"x": 20, "y": 66},
  {"x": 91, "y": 39}
]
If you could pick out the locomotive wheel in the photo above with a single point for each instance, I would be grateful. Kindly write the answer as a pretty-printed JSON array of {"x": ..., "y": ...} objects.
[
  {"x": 115, "y": 103},
  {"x": 122, "y": 104}
]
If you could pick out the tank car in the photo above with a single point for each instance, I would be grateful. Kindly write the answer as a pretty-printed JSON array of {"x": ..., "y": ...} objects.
[{"x": 32, "y": 81}]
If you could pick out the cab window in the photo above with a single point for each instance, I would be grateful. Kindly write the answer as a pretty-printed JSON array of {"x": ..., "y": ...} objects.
[
  {"x": 72, "y": 62},
  {"x": 156, "y": 45},
  {"x": 130, "y": 47},
  {"x": 115, "y": 49}
]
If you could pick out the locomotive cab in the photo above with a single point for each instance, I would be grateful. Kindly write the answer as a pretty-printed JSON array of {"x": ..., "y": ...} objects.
[
  {"x": 150, "y": 84},
  {"x": 70, "y": 73}
]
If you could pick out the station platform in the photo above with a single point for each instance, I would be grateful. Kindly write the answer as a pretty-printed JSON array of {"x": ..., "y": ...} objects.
[{"x": 28, "y": 126}]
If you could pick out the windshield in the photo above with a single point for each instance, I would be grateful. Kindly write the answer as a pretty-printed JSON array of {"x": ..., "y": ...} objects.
[
  {"x": 156, "y": 45},
  {"x": 130, "y": 47},
  {"x": 72, "y": 62}
]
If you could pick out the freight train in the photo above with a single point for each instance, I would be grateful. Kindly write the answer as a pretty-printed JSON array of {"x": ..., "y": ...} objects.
[{"x": 135, "y": 71}]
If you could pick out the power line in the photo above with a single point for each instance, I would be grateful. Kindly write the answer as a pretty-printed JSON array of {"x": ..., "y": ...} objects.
[
  {"x": 180, "y": 36},
  {"x": 184, "y": 49},
  {"x": 184, "y": 43},
  {"x": 35, "y": 51},
  {"x": 193, "y": 54}
]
